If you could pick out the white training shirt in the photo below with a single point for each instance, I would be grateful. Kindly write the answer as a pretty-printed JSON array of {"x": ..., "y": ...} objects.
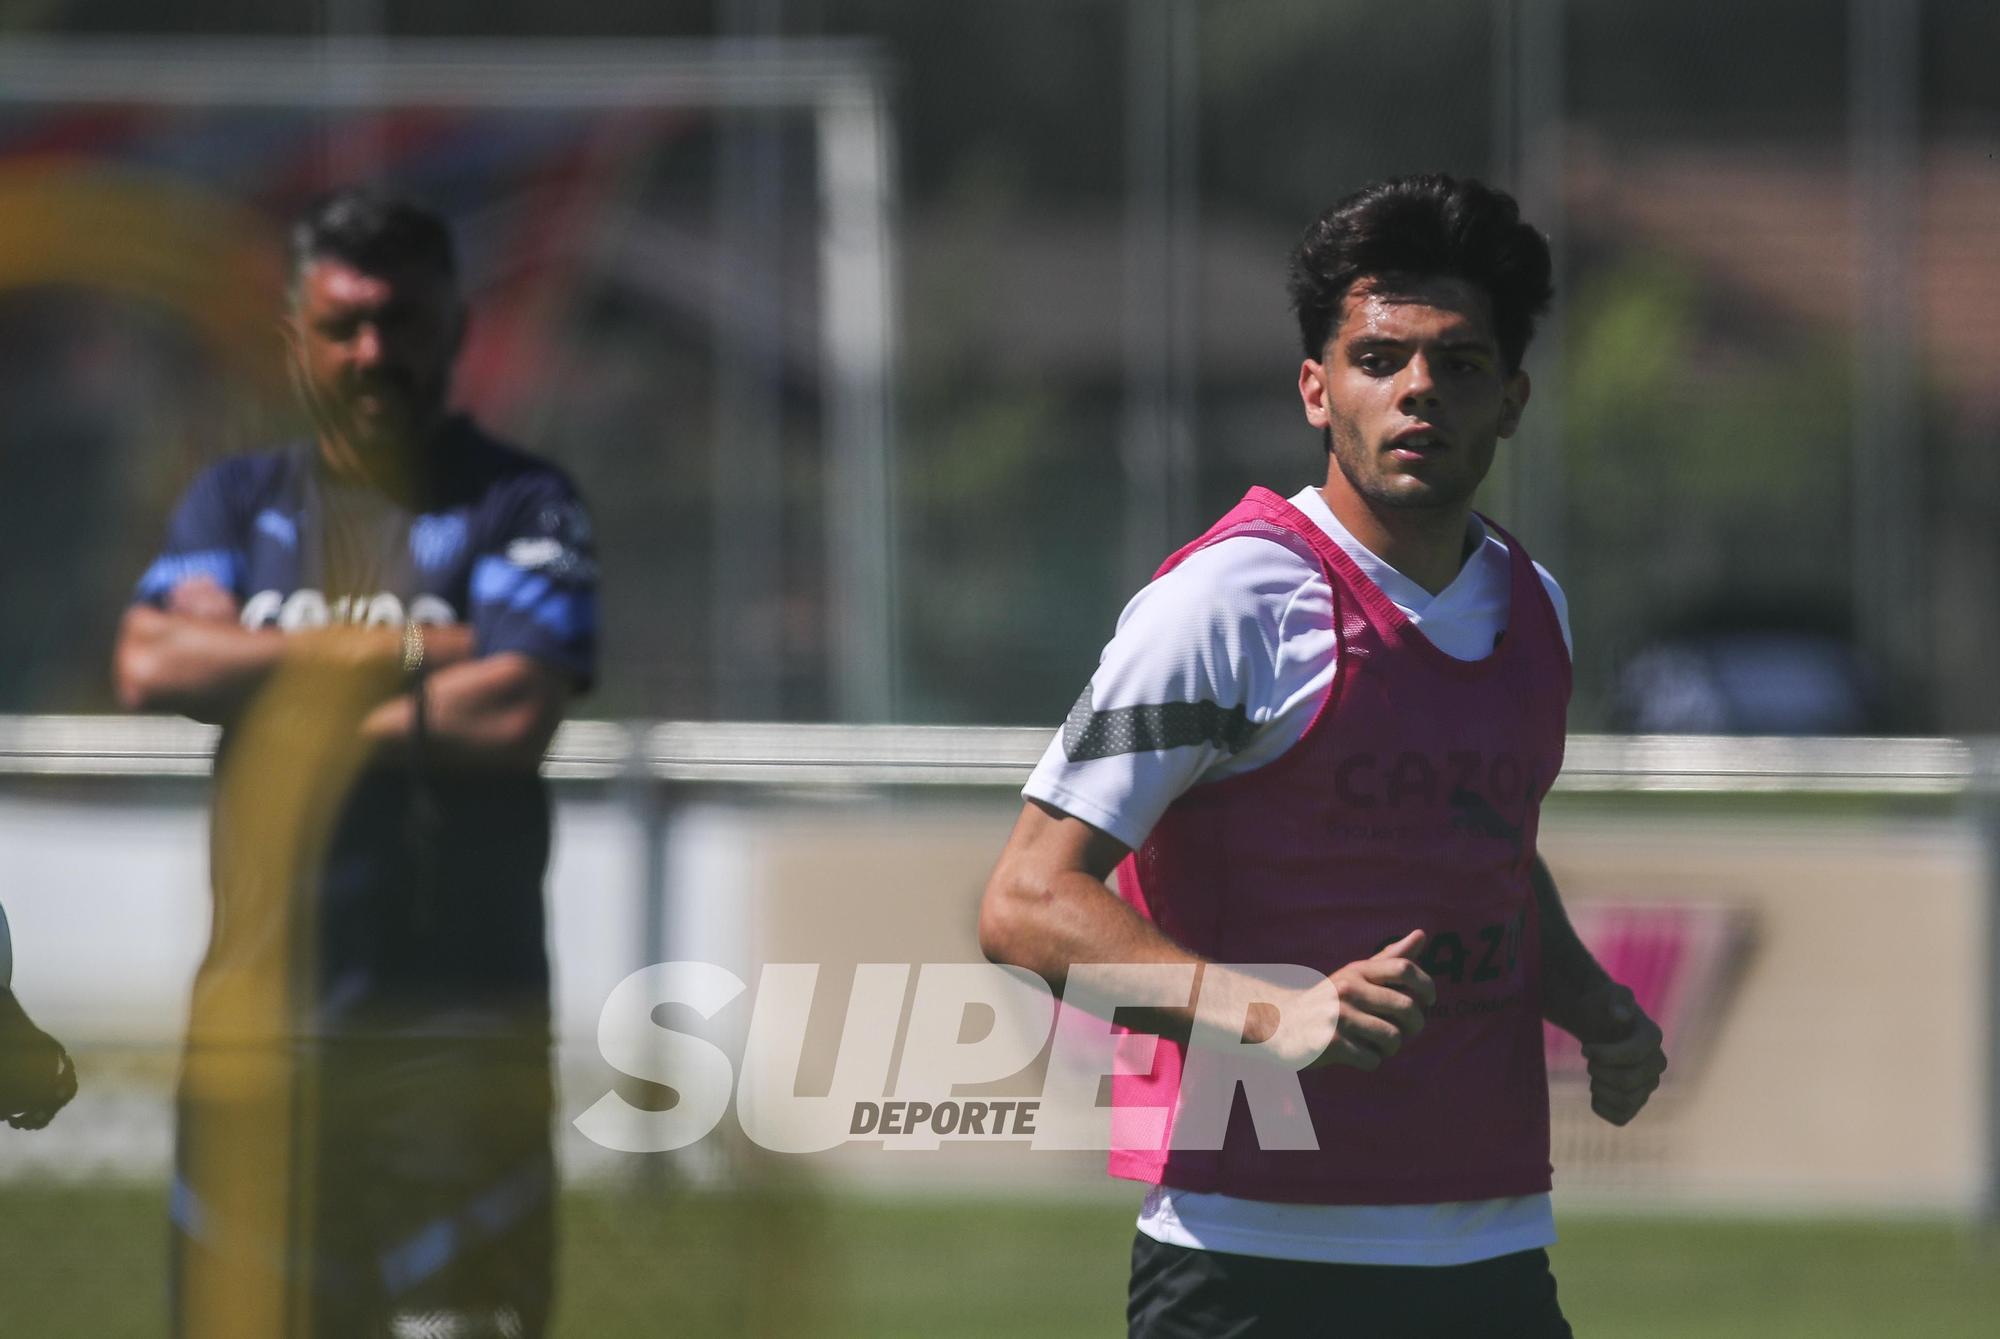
[{"x": 1247, "y": 625}]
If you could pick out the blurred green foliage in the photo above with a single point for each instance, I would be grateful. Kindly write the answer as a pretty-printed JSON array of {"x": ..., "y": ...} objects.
[{"x": 1705, "y": 445}]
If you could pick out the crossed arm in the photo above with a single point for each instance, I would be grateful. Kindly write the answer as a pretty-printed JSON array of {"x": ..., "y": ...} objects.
[
  {"x": 193, "y": 657},
  {"x": 1046, "y": 907}
]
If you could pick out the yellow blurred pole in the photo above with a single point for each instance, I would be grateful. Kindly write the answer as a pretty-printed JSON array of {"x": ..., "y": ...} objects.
[{"x": 248, "y": 1093}]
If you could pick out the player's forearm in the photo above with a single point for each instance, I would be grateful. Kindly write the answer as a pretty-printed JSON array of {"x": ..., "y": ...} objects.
[
  {"x": 1050, "y": 921},
  {"x": 197, "y": 667},
  {"x": 496, "y": 712},
  {"x": 210, "y": 669},
  {"x": 1572, "y": 979}
]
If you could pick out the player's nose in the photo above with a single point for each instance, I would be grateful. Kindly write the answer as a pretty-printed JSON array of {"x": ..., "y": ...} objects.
[
  {"x": 1419, "y": 386},
  {"x": 366, "y": 348}
]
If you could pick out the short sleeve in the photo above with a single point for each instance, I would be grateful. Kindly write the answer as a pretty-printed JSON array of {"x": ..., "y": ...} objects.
[
  {"x": 204, "y": 539},
  {"x": 1185, "y": 685},
  {"x": 534, "y": 586},
  {"x": 1560, "y": 603}
]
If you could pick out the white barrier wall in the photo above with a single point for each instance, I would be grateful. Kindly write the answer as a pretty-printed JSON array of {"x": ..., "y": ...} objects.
[
  {"x": 108, "y": 901},
  {"x": 1813, "y": 1068},
  {"x": 107, "y": 896},
  {"x": 109, "y": 905}
]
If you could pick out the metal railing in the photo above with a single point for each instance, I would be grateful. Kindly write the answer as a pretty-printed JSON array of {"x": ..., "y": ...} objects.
[{"x": 780, "y": 753}]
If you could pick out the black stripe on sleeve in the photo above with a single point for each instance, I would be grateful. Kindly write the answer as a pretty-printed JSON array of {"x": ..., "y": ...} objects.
[{"x": 1089, "y": 733}]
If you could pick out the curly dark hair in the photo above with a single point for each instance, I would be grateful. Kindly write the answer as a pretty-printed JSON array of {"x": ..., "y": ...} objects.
[
  {"x": 1416, "y": 227},
  {"x": 371, "y": 232}
]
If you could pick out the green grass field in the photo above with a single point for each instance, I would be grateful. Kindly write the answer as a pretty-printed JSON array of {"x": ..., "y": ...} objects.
[{"x": 88, "y": 1261}]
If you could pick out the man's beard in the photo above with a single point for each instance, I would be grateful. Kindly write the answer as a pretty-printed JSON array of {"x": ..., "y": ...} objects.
[
  {"x": 1431, "y": 497},
  {"x": 409, "y": 412}
]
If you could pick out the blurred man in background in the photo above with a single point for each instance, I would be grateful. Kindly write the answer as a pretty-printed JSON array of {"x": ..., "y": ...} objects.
[
  {"x": 387, "y": 618},
  {"x": 36, "y": 1077},
  {"x": 1322, "y": 736}
]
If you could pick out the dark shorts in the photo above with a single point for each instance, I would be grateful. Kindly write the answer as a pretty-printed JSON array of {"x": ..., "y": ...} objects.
[
  {"x": 1178, "y": 1293},
  {"x": 389, "y": 1189}
]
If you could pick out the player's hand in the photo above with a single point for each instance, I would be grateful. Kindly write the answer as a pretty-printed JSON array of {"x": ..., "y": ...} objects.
[
  {"x": 203, "y": 598},
  {"x": 36, "y": 1077},
  {"x": 1370, "y": 1008},
  {"x": 1621, "y": 1047}
]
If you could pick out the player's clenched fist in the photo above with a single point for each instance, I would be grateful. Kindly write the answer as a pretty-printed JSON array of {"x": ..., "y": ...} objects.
[
  {"x": 1363, "y": 1013},
  {"x": 1622, "y": 1049},
  {"x": 36, "y": 1077}
]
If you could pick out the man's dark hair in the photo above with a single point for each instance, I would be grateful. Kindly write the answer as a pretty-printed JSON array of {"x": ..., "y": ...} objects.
[
  {"x": 373, "y": 233},
  {"x": 1420, "y": 227}
]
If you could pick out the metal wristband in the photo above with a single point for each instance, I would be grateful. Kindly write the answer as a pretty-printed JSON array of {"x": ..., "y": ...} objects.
[{"x": 413, "y": 648}]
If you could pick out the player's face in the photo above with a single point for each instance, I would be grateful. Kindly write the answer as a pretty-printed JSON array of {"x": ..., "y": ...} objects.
[
  {"x": 1412, "y": 393},
  {"x": 372, "y": 352}
]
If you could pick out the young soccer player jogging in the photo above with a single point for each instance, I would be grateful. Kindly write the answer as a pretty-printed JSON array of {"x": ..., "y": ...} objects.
[{"x": 1321, "y": 736}]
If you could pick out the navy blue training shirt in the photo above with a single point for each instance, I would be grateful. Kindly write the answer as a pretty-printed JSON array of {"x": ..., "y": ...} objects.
[{"x": 496, "y": 539}]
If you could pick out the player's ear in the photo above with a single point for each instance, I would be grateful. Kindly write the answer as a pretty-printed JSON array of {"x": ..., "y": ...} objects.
[
  {"x": 1312, "y": 392},
  {"x": 1514, "y": 399}
]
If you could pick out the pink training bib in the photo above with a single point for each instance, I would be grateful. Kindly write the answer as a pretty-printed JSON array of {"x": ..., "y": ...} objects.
[{"x": 1411, "y": 802}]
